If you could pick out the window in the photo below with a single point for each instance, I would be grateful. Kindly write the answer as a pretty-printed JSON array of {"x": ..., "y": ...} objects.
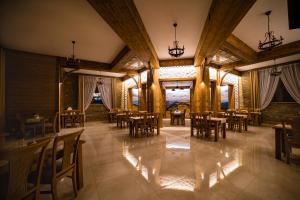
[
  {"x": 281, "y": 94},
  {"x": 97, "y": 97},
  {"x": 224, "y": 97},
  {"x": 135, "y": 97}
]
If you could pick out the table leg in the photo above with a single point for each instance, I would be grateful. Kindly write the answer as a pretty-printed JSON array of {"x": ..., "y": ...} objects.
[
  {"x": 240, "y": 125},
  {"x": 158, "y": 128},
  {"x": 278, "y": 144},
  {"x": 246, "y": 124},
  {"x": 224, "y": 130},
  {"x": 216, "y": 131},
  {"x": 79, "y": 168}
]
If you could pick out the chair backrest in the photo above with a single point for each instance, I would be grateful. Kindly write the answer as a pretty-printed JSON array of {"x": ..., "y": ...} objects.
[
  {"x": 295, "y": 122},
  {"x": 68, "y": 146},
  {"x": 21, "y": 163}
]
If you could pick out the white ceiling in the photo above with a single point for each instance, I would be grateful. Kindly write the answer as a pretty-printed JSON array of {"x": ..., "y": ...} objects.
[
  {"x": 159, "y": 15},
  {"x": 253, "y": 26},
  {"x": 49, "y": 26}
]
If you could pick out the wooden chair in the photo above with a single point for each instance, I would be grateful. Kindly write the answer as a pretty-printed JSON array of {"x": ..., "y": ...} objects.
[
  {"x": 21, "y": 163},
  {"x": 142, "y": 125},
  {"x": 292, "y": 140},
  {"x": 63, "y": 162},
  {"x": 51, "y": 124},
  {"x": 232, "y": 120}
]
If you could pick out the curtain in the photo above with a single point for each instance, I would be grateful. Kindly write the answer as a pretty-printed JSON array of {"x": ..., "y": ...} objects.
[
  {"x": 290, "y": 76},
  {"x": 90, "y": 83},
  {"x": 254, "y": 93},
  {"x": 268, "y": 85},
  {"x": 106, "y": 91}
]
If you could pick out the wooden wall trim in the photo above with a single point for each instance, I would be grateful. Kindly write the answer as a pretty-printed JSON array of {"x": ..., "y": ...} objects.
[
  {"x": 176, "y": 62},
  {"x": 2, "y": 90}
]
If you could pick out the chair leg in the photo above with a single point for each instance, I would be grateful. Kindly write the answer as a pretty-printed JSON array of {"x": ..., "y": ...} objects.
[
  {"x": 74, "y": 181},
  {"x": 54, "y": 191}
]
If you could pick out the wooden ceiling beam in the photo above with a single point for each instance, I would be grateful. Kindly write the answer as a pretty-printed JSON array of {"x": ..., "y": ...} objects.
[
  {"x": 124, "y": 19},
  {"x": 279, "y": 52},
  {"x": 176, "y": 62},
  {"x": 86, "y": 64},
  {"x": 222, "y": 18},
  {"x": 123, "y": 59},
  {"x": 238, "y": 48}
]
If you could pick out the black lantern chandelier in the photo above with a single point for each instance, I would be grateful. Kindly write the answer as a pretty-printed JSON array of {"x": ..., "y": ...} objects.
[
  {"x": 176, "y": 51},
  {"x": 270, "y": 40},
  {"x": 72, "y": 62}
]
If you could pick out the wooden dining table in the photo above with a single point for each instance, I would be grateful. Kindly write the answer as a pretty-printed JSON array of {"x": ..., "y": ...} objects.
[
  {"x": 217, "y": 122},
  {"x": 256, "y": 117},
  {"x": 133, "y": 122},
  {"x": 178, "y": 115},
  {"x": 16, "y": 144},
  {"x": 35, "y": 123},
  {"x": 279, "y": 139},
  {"x": 242, "y": 119}
]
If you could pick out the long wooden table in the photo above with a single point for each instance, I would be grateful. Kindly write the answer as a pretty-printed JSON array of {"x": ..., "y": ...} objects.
[
  {"x": 279, "y": 139},
  {"x": 216, "y": 121},
  {"x": 21, "y": 143}
]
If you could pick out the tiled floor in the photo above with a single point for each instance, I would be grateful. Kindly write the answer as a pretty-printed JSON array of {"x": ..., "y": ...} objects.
[{"x": 175, "y": 166}]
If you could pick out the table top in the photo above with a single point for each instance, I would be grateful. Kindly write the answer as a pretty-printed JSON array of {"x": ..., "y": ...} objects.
[
  {"x": 16, "y": 144},
  {"x": 217, "y": 119},
  {"x": 242, "y": 115},
  {"x": 139, "y": 118},
  {"x": 220, "y": 119},
  {"x": 121, "y": 114},
  {"x": 279, "y": 126},
  {"x": 34, "y": 120},
  {"x": 256, "y": 113}
]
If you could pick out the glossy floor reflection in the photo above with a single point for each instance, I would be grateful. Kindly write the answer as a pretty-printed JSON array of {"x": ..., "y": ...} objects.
[{"x": 176, "y": 166}]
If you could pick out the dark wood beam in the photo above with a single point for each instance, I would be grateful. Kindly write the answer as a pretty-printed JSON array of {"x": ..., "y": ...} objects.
[
  {"x": 176, "y": 62},
  {"x": 124, "y": 19},
  {"x": 123, "y": 59},
  {"x": 238, "y": 48},
  {"x": 279, "y": 52},
  {"x": 222, "y": 18},
  {"x": 86, "y": 64},
  {"x": 120, "y": 55}
]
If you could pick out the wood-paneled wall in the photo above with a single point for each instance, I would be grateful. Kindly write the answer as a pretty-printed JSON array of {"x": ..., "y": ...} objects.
[{"x": 31, "y": 84}]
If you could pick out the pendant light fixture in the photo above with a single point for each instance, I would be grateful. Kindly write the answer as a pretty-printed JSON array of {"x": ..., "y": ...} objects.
[
  {"x": 72, "y": 62},
  {"x": 270, "y": 40},
  {"x": 176, "y": 51}
]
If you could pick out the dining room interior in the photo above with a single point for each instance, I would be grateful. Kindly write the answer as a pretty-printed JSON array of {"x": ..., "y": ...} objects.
[{"x": 136, "y": 99}]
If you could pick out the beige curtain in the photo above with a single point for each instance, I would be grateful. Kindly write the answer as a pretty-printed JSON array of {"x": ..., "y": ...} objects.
[
  {"x": 254, "y": 87},
  {"x": 90, "y": 83}
]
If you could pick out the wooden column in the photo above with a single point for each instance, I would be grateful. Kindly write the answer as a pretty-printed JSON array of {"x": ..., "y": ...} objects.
[
  {"x": 216, "y": 94},
  {"x": 141, "y": 94},
  {"x": 149, "y": 91},
  {"x": 116, "y": 92},
  {"x": 197, "y": 92},
  {"x": 2, "y": 90},
  {"x": 205, "y": 89},
  {"x": 81, "y": 94},
  {"x": 231, "y": 97},
  {"x": 129, "y": 99},
  {"x": 157, "y": 94}
]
